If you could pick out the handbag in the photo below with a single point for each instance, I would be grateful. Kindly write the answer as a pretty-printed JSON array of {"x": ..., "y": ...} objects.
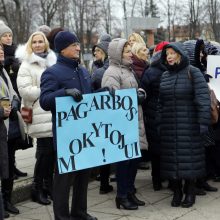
[
  {"x": 214, "y": 103},
  {"x": 214, "y": 107},
  {"x": 27, "y": 113}
]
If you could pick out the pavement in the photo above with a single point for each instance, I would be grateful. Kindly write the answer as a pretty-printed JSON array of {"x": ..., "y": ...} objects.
[{"x": 103, "y": 206}]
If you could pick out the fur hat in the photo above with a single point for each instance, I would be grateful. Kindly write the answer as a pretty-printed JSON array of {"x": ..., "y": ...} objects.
[
  {"x": 103, "y": 44},
  {"x": 4, "y": 28},
  {"x": 63, "y": 39}
]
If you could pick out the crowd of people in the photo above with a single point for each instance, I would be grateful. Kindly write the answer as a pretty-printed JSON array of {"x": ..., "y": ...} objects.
[{"x": 174, "y": 115}]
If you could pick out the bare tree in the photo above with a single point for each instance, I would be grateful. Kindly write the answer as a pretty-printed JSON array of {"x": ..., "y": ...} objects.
[
  {"x": 17, "y": 13},
  {"x": 62, "y": 15},
  {"x": 86, "y": 16},
  {"x": 194, "y": 17},
  {"x": 214, "y": 16},
  {"x": 107, "y": 15},
  {"x": 48, "y": 10}
]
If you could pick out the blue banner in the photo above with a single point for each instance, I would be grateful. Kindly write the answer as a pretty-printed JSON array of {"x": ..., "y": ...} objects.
[{"x": 99, "y": 130}]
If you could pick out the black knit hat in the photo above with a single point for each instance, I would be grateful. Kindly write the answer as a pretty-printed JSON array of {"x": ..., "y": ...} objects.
[
  {"x": 63, "y": 39},
  {"x": 103, "y": 44}
]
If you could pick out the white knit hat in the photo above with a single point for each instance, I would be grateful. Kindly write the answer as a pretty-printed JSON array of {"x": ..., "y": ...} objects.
[{"x": 4, "y": 28}]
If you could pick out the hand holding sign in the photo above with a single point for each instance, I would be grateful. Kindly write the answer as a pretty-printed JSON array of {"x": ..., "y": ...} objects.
[
  {"x": 75, "y": 93},
  {"x": 99, "y": 130}
]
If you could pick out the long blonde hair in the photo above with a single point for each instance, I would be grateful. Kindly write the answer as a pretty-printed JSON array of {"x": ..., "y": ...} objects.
[{"x": 29, "y": 42}]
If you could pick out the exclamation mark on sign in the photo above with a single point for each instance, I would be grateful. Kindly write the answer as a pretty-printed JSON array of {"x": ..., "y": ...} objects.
[{"x": 103, "y": 152}]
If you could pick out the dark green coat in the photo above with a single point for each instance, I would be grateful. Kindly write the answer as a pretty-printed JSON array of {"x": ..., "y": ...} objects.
[{"x": 184, "y": 104}]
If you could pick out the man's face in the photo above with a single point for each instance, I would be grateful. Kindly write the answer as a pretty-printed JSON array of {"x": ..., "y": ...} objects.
[{"x": 72, "y": 51}]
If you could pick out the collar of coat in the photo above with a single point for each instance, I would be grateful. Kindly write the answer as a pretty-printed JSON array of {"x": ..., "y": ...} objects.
[
  {"x": 69, "y": 62},
  {"x": 22, "y": 55}
]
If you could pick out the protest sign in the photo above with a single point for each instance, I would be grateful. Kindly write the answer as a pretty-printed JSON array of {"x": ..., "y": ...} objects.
[
  {"x": 213, "y": 69},
  {"x": 99, "y": 130}
]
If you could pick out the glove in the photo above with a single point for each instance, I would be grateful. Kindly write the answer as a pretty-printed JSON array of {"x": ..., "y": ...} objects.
[
  {"x": 207, "y": 77},
  {"x": 203, "y": 129},
  {"x": 141, "y": 96},
  {"x": 111, "y": 92},
  {"x": 75, "y": 93}
]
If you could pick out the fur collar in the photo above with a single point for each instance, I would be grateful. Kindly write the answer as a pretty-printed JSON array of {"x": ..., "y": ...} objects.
[{"x": 22, "y": 55}]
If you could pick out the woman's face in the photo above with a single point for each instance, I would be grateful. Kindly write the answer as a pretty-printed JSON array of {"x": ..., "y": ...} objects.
[
  {"x": 1, "y": 54},
  {"x": 98, "y": 54},
  {"x": 127, "y": 55},
  {"x": 172, "y": 56},
  {"x": 6, "y": 39},
  {"x": 143, "y": 53},
  {"x": 38, "y": 44},
  {"x": 131, "y": 41}
]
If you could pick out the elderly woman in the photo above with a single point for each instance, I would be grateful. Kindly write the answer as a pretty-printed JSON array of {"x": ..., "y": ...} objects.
[
  {"x": 184, "y": 115},
  {"x": 120, "y": 76},
  {"x": 36, "y": 57}
]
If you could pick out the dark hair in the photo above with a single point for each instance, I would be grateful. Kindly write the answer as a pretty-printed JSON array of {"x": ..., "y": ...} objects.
[{"x": 52, "y": 35}]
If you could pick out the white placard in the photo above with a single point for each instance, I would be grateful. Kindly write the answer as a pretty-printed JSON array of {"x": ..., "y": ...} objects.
[{"x": 213, "y": 69}]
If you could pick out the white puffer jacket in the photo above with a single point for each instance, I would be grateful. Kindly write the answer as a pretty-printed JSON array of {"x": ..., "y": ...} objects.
[{"x": 28, "y": 82}]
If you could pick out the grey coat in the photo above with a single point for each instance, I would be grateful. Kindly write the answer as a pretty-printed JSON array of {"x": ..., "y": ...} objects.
[{"x": 119, "y": 75}]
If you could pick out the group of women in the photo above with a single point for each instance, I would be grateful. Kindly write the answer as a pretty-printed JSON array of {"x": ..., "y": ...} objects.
[
  {"x": 173, "y": 114},
  {"x": 174, "y": 102},
  {"x": 21, "y": 86}
]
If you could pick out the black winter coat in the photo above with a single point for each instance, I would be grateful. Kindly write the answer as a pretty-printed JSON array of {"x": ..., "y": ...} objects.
[
  {"x": 184, "y": 104},
  {"x": 150, "y": 82},
  {"x": 65, "y": 74},
  {"x": 98, "y": 74}
]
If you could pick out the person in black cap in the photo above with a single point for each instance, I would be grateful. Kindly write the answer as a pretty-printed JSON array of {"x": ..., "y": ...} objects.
[{"x": 67, "y": 78}]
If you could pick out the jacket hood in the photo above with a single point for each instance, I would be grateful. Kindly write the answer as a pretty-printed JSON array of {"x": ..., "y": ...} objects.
[
  {"x": 22, "y": 55},
  {"x": 192, "y": 48},
  {"x": 179, "y": 49},
  {"x": 155, "y": 59},
  {"x": 115, "y": 49}
]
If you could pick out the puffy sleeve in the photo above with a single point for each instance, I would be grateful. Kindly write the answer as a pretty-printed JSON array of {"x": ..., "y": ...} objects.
[{"x": 25, "y": 82}]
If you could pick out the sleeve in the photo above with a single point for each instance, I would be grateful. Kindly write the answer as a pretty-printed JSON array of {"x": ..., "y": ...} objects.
[
  {"x": 201, "y": 97},
  {"x": 26, "y": 89},
  {"x": 111, "y": 81},
  {"x": 49, "y": 91},
  {"x": 145, "y": 80}
]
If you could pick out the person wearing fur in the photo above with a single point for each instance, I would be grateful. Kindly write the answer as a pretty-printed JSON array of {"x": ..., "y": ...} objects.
[{"x": 35, "y": 57}]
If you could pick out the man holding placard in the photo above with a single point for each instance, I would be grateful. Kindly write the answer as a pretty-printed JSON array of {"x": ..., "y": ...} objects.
[{"x": 67, "y": 78}]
